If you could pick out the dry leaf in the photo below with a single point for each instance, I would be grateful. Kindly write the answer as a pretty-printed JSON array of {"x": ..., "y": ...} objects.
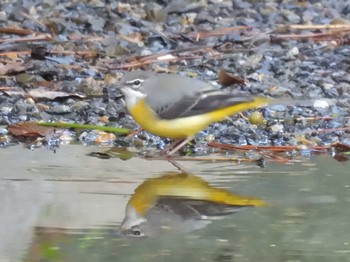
[
  {"x": 43, "y": 94},
  {"x": 29, "y": 129},
  {"x": 341, "y": 152},
  {"x": 227, "y": 79}
]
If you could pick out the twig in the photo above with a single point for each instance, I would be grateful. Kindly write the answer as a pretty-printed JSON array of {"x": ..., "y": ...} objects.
[
  {"x": 327, "y": 36},
  {"x": 223, "y": 159},
  {"x": 312, "y": 27},
  {"x": 267, "y": 148},
  {"x": 16, "y": 31},
  {"x": 27, "y": 39}
]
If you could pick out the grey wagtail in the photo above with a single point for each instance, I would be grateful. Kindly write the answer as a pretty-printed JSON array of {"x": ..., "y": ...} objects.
[{"x": 174, "y": 106}]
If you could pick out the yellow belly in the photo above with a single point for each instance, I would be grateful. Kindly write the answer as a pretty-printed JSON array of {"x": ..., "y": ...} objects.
[
  {"x": 184, "y": 186},
  {"x": 185, "y": 126}
]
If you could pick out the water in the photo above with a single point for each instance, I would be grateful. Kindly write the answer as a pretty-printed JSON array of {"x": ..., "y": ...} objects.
[{"x": 67, "y": 206}]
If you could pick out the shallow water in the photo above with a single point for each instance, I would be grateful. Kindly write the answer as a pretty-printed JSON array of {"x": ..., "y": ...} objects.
[{"x": 67, "y": 206}]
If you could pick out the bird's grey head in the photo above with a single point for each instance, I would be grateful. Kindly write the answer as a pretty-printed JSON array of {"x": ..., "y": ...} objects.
[
  {"x": 135, "y": 79},
  {"x": 131, "y": 85},
  {"x": 132, "y": 224}
]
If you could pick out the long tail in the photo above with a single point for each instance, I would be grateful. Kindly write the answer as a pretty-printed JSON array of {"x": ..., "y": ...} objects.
[{"x": 222, "y": 113}]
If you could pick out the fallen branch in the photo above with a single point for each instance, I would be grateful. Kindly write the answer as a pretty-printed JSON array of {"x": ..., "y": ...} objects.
[
  {"x": 27, "y": 39},
  {"x": 266, "y": 148}
]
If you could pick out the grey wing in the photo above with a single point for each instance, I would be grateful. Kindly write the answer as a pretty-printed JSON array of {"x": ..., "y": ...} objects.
[
  {"x": 201, "y": 103},
  {"x": 183, "y": 97},
  {"x": 214, "y": 100},
  {"x": 211, "y": 209},
  {"x": 178, "y": 109},
  {"x": 176, "y": 96},
  {"x": 192, "y": 208},
  {"x": 177, "y": 206}
]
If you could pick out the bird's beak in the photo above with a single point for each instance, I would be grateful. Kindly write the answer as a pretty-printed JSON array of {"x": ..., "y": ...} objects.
[{"x": 123, "y": 89}]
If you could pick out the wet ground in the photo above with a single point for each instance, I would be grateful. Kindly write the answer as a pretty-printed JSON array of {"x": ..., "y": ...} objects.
[
  {"x": 67, "y": 206},
  {"x": 61, "y": 62}
]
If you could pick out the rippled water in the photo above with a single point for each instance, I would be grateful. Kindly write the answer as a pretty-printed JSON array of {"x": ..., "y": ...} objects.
[{"x": 67, "y": 206}]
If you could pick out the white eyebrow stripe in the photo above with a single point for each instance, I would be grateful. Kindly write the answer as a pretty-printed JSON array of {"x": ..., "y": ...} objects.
[{"x": 132, "y": 81}]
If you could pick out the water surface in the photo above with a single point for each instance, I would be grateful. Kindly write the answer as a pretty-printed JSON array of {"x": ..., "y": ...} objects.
[{"x": 67, "y": 206}]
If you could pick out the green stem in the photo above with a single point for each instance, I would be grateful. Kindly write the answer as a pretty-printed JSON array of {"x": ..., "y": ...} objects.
[{"x": 90, "y": 127}]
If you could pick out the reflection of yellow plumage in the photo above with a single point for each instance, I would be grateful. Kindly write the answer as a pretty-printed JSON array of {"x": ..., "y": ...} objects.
[{"x": 182, "y": 187}]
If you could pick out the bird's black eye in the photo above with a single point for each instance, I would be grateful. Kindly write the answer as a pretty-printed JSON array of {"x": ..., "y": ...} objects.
[
  {"x": 136, "y": 233},
  {"x": 137, "y": 82}
]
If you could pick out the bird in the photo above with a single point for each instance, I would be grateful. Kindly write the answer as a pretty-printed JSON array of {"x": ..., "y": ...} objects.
[
  {"x": 178, "y": 107},
  {"x": 179, "y": 201}
]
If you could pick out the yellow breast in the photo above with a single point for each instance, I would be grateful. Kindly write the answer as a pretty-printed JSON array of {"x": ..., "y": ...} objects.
[{"x": 173, "y": 128}]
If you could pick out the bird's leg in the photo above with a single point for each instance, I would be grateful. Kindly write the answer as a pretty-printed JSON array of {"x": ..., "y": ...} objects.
[
  {"x": 169, "y": 147},
  {"x": 178, "y": 166},
  {"x": 179, "y": 146}
]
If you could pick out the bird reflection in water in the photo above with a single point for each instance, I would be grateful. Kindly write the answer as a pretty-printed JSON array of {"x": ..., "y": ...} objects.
[{"x": 179, "y": 201}]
